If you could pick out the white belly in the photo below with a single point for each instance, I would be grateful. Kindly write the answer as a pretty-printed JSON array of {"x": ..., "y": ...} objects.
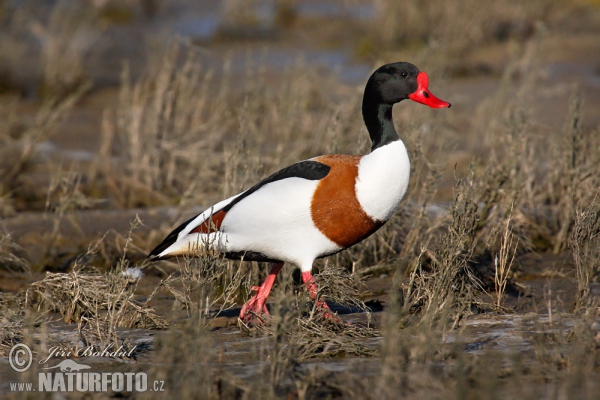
[{"x": 382, "y": 180}]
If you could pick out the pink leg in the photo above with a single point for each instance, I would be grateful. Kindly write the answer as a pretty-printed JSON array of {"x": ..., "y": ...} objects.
[
  {"x": 257, "y": 304},
  {"x": 311, "y": 285}
]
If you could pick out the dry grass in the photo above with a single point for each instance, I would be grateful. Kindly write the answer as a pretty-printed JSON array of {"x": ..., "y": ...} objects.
[
  {"x": 514, "y": 194},
  {"x": 155, "y": 129},
  {"x": 12, "y": 256},
  {"x": 13, "y": 48},
  {"x": 445, "y": 30},
  {"x": 204, "y": 282},
  {"x": 450, "y": 282},
  {"x": 295, "y": 313},
  {"x": 187, "y": 135},
  {"x": 66, "y": 40},
  {"x": 99, "y": 302},
  {"x": 295, "y": 332},
  {"x": 88, "y": 293},
  {"x": 11, "y": 323},
  {"x": 7, "y": 208},
  {"x": 431, "y": 362},
  {"x": 504, "y": 261},
  {"x": 20, "y": 137},
  {"x": 585, "y": 244},
  {"x": 439, "y": 256},
  {"x": 574, "y": 181},
  {"x": 186, "y": 360},
  {"x": 171, "y": 123},
  {"x": 63, "y": 199}
]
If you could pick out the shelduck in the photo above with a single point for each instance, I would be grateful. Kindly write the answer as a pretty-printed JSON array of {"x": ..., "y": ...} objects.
[{"x": 317, "y": 207}]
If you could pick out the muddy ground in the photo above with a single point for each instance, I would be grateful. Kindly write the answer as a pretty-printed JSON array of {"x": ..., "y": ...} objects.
[{"x": 541, "y": 292}]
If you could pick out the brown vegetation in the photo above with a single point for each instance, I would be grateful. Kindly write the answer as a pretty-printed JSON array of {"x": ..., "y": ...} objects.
[{"x": 492, "y": 188}]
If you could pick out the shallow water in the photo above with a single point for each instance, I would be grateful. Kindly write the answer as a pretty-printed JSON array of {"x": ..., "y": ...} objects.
[
  {"x": 247, "y": 357},
  {"x": 546, "y": 281}
]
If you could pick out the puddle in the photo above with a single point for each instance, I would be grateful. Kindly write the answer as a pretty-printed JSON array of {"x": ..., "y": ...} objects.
[
  {"x": 359, "y": 12},
  {"x": 199, "y": 27},
  {"x": 207, "y": 22},
  {"x": 337, "y": 62},
  {"x": 248, "y": 357},
  {"x": 241, "y": 355},
  {"x": 48, "y": 148},
  {"x": 570, "y": 71}
]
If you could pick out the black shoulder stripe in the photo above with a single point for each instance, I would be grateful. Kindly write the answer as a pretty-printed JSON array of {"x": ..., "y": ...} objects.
[
  {"x": 169, "y": 240},
  {"x": 311, "y": 170}
]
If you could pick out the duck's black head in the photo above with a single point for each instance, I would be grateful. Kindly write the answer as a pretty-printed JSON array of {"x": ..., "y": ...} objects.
[
  {"x": 399, "y": 81},
  {"x": 387, "y": 86}
]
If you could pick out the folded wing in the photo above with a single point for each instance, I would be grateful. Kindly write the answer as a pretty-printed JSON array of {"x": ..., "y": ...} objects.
[{"x": 209, "y": 222}]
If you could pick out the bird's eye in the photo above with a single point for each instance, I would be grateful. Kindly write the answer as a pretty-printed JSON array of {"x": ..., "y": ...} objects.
[{"x": 403, "y": 74}]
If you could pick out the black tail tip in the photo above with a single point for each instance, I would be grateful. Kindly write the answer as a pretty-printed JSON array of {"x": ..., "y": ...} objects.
[{"x": 154, "y": 254}]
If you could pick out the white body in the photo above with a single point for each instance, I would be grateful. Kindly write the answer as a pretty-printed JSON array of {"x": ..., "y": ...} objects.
[{"x": 276, "y": 220}]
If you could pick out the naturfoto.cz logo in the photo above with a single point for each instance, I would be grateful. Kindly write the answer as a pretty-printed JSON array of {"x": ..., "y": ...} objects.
[{"x": 71, "y": 376}]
